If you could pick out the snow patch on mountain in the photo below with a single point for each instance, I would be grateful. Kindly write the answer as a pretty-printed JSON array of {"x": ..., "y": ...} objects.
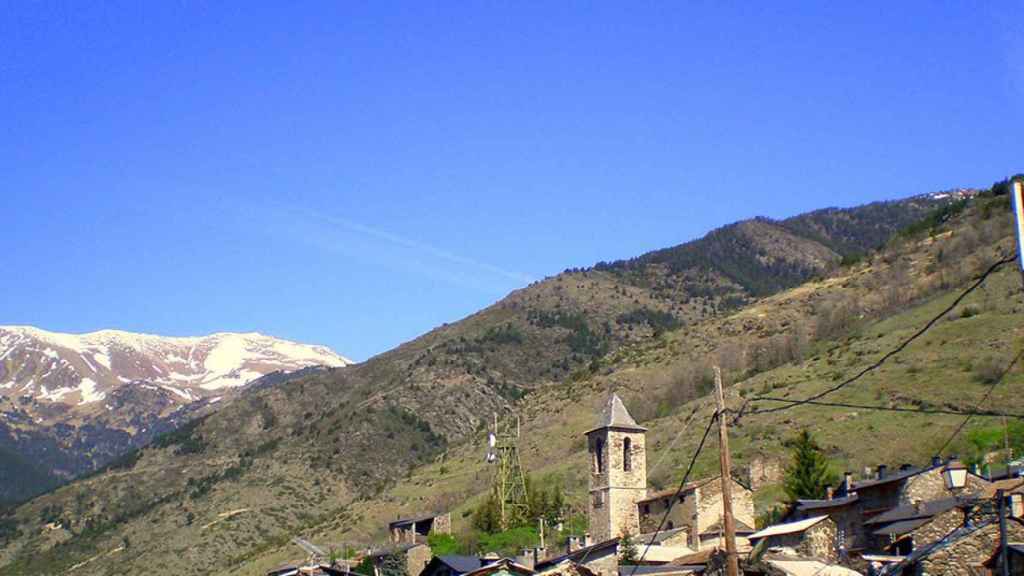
[{"x": 53, "y": 366}]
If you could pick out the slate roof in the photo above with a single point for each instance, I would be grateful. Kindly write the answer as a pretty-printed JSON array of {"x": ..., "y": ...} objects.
[
  {"x": 460, "y": 564},
  {"x": 644, "y": 570},
  {"x": 1009, "y": 485},
  {"x": 787, "y": 528},
  {"x": 740, "y": 527},
  {"x": 910, "y": 511},
  {"x": 820, "y": 504},
  {"x": 689, "y": 487},
  {"x": 577, "y": 554},
  {"x": 502, "y": 566},
  {"x": 897, "y": 476},
  {"x": 700, "y": 558},
  {"x": 659, "y": 537},
  {"x": 413, "y": 519},
  {"x": 615, "y": 415},
  {"x": 902, "y": 527}
]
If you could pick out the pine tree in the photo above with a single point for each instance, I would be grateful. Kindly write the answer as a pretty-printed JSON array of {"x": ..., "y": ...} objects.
[
  {"x": 628, "y": 554},
  {"x": 809, "y": 474}
]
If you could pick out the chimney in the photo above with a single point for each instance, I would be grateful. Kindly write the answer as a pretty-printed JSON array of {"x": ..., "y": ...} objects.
[
  {"x": 526, "y": 558},
  {"x": 848, "y": 482},
  {"x": 587, "y": 540},
  {"x": 1017, "y": 505},
  {"x": 828, "y": 493},
  {"x": 539, "y": 554},
  {"x": 573, "y": 544},
  {"x": 936, "y": 461},
  {"x": 881, "y": 471}
]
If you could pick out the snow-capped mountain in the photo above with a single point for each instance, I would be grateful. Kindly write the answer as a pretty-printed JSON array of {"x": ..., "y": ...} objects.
[
  {"x": 70, "y": 403},
  {"x": 80, "y": 369}
]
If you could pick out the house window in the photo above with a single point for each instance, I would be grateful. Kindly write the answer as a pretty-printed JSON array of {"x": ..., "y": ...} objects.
[
  {"x": 647, "y": 509},
  {"x": 599, "y": 456},
  {"x": 627, "y": 458}
]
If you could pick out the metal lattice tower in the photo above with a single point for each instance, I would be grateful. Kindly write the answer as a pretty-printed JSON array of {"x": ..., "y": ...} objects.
[{"x": 509, "y": 480}]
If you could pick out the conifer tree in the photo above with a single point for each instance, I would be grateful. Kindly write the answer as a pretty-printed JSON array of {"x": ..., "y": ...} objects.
[{"x": 809, "y": 474}]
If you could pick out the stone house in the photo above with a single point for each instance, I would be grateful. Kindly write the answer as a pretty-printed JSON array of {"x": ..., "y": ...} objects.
[
  {"x": 416, "y": 529},
  {"x": 856, "y": 502},
  {"x": 906, "y": 528},
  {"x": 813, "y": 537},
  {"x": 844, "y": 511},
  {"x": 907, "y": 485},
  {"x": 413, "y": 556},
  {"x": 453, "y": 565},
  {"x": 501, "y": 567},
  {"x": 966, "y": 551},
  {"x": 698, "y": 509},
  {"x": 601, "y": 559}
]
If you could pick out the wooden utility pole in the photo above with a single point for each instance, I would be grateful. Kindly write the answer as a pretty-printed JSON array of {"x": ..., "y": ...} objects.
[
  {"x": 1017, "y": 203},
  {"x": 732, "y": 567}
]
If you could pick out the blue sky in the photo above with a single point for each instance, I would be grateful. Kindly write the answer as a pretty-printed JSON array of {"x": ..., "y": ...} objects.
[{"x": 356, "y": 175}]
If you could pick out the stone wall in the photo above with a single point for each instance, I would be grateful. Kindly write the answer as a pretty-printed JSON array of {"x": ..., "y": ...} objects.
[
  {"x": 966, "y": 557},
  {"x": 931, "y": 485},
  {"x": 940, "y": 525},
  {"x": 709, "y": 505},
  {"x": 442, "y": 524},
  {"x": 416, "y": 559},
  {"x": 818, "y": 541},
  {"x": 605, "y": 562},
  {"x": 763, "y": 471}
]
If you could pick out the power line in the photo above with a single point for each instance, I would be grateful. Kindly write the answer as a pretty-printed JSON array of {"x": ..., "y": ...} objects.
[
  {"x": 984, "y": 399},
  {"x": 668, "y": 449},
  {"x": 932, "y": 411},
  {"x": 878, "y": 363},
  {"x": 682, "y": 486}
]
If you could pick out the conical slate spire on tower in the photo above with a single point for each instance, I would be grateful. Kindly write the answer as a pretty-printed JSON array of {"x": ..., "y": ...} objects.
[{"x": 615, "y": 415}]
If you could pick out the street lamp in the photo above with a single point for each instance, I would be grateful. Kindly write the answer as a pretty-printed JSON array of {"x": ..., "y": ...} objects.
[{"x": 955, "y": 475}]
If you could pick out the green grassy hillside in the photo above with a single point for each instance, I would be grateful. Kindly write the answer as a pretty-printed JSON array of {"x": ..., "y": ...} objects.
[{"x": 333, "y": 455}]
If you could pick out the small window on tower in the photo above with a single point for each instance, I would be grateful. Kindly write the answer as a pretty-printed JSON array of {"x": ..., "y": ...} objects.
[
  {"x": 599, "y": 456},
  {"x": 627, "y": 458},
  {"x": 598, "y": 499}
]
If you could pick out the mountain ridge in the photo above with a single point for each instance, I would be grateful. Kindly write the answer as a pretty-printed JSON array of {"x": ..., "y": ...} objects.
[
  {"x": 74, "y": 402},
  {"x": 334, "y": 451}
]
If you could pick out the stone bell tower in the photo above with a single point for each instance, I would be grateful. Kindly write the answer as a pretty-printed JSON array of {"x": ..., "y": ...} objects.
[{"x": 618, "y": 472}]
